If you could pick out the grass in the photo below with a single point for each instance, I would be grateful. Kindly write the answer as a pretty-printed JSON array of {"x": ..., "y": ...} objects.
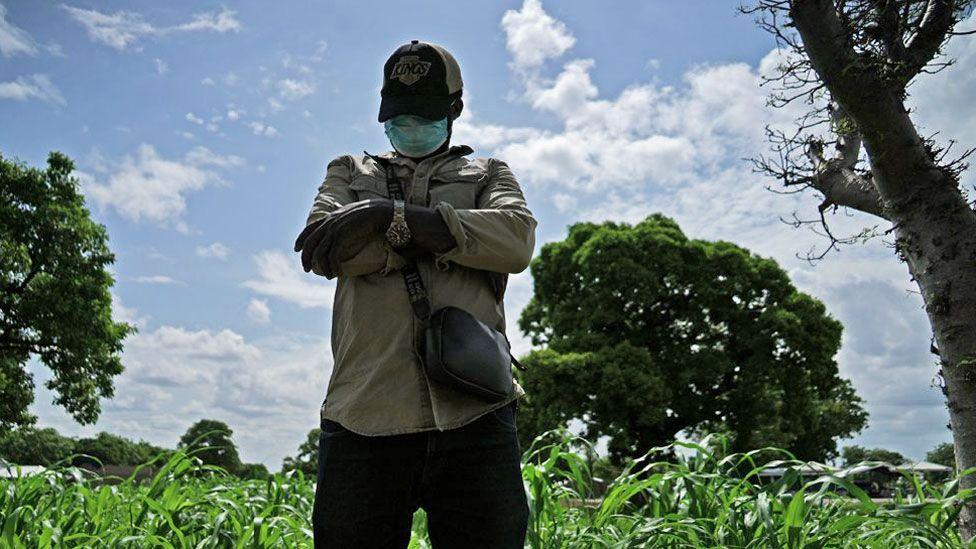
[{"x": 704, "y": 498}]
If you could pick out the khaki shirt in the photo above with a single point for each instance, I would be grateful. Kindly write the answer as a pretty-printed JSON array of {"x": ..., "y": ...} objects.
[{"x": 378, "y": 386}]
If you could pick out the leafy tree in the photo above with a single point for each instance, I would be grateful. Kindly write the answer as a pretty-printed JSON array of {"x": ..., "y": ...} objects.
[
  {"x": 307, "y": 460},
  {"x": 30, "y": 446},
  {"x": 852, "y": 64},
  {"x": 856, "y": 454},
  {"x": 54, "y": 294},
  {"x": 210, "y": 440},
  {"x": 112, "y": 449},
  {"x": 649, "y": 333},
  {"x": 943, "y": 454},
  {"x": 255, "y": 471}
]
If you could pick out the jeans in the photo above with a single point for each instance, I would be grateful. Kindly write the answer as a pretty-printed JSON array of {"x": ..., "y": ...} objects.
[{"x": 468, "y": 480}]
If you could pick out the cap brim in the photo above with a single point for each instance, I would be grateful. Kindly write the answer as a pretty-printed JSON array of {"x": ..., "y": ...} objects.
[{"x": 427, "y": 106}]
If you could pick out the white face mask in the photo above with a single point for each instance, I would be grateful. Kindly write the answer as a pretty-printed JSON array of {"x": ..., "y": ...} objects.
[{"x": 415, "y": 136}]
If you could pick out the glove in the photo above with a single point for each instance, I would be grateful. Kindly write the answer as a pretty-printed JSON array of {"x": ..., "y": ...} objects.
[{"x": 341, "y": 235}]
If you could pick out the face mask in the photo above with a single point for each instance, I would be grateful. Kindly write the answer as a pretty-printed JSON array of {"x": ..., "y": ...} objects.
[{"x": 415, "y": 136}]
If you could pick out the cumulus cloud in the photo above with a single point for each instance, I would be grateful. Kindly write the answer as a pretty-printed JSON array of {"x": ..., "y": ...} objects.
[
  {"x": 267, "y": 389},
  {"x": 281, "y": 277},
  {"x": 145, "y": 186},
  {"x": 260, "y": 128},
  {"x": 215, "y": 250},
  {"x": 37, "y": 86},
  {"x": 124, "y": 29},
  {"x": 292, "y": 89},
  {"x": 175, "y": 356},
  {"x": 533, "y": 36},
  {"x": 258, "y": 311}
]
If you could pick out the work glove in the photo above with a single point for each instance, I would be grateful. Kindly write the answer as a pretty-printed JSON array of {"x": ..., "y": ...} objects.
[{"x": 338, "y": 237}]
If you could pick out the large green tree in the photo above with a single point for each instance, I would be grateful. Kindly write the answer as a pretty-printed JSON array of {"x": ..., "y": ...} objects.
[
  {"x": 307, "y": 460},
  {"x": 648, "y": 333},
  {"x": 55, "y": 303},
  {"x": 30, "y": 446},
  {"x": 943, "y": 454},
  {"x": 856, "y": 454},
  {"x": 112, "y": 449},
  {"x": 212, "y": 442}
]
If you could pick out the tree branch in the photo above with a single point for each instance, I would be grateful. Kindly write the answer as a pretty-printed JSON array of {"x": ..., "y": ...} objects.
[
  {"x": 932, "y": 31},
  {"x": 836, "y": 178}
]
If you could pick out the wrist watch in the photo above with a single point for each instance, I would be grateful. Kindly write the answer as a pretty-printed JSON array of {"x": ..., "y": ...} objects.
[{"x": 398, "y": 233}]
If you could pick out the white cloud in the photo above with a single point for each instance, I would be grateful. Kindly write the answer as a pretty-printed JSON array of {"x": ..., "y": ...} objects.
[
  {"x": 217, "y": 22},
  {"x": 259, "y": 128},
  {"x": 258, "y": 311},
  {"x": 161, "y": 66},
  {"x": 292, "y": 89},
  {"x": 532, "y": 36},
  {"x": 121, "y": 313},
  {"x": 157, "y": 279},
  {"x": 215, "y": 250},
  {"x": 36, "y": 86},
  {"x": 281, "y": 276},
  {"x": 13, "y": 39},
  {"x": 145, "y": 186},
  {"x": 175, "y": 356},
  {"x": 208, "y": 81},
  {"x": 194, "y": 118},
  {"x": 124, "y": 29}
]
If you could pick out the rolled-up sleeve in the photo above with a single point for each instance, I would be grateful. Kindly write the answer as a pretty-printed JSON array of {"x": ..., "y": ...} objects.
[
  {"x": 499, "y": 234},
  {"x": 333, "y": 193}
]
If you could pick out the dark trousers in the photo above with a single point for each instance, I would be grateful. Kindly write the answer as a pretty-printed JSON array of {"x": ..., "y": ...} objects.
[{"x": 468, "y": 480}]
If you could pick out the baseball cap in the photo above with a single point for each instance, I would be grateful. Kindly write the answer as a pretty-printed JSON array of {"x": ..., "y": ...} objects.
[{"x": 420, "y": 78}]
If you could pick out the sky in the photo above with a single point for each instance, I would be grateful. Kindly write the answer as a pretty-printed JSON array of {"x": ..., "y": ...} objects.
[{"x": 201, "y": 131}]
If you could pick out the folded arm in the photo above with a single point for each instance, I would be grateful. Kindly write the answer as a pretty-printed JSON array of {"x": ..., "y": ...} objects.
[
  {"x": 334, "y": 193},
  {"x": 498, "y": 235}
]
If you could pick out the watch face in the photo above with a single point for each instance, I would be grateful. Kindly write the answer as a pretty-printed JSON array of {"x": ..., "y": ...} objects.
[{"x": 398, "y": 235}]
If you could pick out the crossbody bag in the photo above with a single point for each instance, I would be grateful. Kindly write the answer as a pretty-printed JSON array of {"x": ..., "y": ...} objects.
[{"x": 454, "y": 347}]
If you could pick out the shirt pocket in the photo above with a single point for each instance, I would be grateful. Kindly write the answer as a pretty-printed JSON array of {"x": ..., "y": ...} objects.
[
  {"x": 458, "y": 189},
  {"x": 369, "y": 186}
]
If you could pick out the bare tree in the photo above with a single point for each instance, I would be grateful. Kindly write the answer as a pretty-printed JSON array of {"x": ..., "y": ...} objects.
[{"x": 852, "y": 61}]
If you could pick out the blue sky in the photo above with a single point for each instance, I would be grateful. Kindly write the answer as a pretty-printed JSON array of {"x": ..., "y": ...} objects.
[{"x": 201, "y": 131}]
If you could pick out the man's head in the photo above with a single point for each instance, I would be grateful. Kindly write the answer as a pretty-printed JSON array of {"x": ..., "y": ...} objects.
[{"x": 421, "y": 97}]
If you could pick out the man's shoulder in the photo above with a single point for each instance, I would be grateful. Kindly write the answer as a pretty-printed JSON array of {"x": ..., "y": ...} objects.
[{"x": 355, "y": 163}]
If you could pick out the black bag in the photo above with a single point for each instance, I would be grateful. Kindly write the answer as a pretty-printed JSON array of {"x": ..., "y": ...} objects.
[{"x": 454, "y": 347}]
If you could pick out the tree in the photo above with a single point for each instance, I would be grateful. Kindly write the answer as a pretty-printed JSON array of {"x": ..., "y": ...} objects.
[
  {"x": 943, "y": 454},
  {"x": 861, "y": 56},
  {"x": 307, "y": 460},
  {"x": 210, "y": 440},
  {"x": 648, "y": 333},
  {"x": 54, "y": 294},
  {"x": 255, "y": 471},
  {"x": 856, "y": 454},
  {"x": 112, "y": 449},
  {"x": 29, "y": 446}
]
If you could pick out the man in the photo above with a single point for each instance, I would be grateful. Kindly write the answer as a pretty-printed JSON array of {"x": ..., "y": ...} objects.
[{"x": 393, "y": 440}]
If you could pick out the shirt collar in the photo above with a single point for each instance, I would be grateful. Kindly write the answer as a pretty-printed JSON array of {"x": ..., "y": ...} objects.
[{"x": 453, "y": 150}]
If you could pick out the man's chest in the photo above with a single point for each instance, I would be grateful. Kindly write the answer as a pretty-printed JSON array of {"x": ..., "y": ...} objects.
[{"x": 459, "y": 188}]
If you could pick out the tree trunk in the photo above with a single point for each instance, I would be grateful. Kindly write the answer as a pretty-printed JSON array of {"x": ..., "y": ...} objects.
[
  {"x": 935, "y": 226},
  {"x": 939, "y": 243},
  {"x": 936, "y": 235}
]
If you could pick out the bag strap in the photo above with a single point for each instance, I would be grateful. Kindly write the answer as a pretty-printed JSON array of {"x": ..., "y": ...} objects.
[{"x": 419, "y": 300}]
